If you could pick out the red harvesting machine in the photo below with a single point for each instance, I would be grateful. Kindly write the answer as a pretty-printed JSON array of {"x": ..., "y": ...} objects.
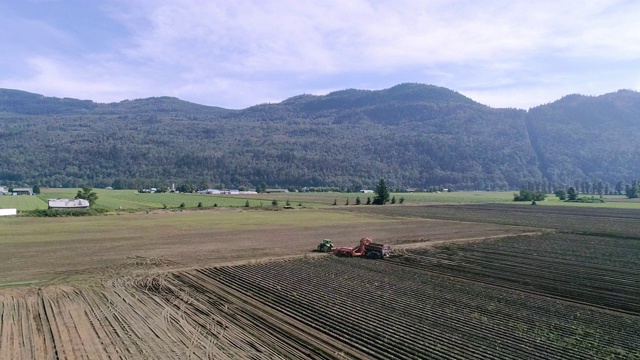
[{"x": 367, "y": 248}]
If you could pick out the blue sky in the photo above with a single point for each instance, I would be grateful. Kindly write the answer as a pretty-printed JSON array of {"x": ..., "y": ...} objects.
[{"x": 239, "y": 53}]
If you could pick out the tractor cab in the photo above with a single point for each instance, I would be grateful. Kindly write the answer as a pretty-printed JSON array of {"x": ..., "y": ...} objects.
[{"x": 325, "y": 246}]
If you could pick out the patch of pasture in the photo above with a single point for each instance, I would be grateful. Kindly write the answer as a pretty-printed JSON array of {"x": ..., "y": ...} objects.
[
  {"x": 22, "y": 202},
  {"x": 132, "y": 200}
]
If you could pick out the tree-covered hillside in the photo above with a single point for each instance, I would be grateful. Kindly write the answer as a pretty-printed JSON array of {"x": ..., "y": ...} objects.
[
  {"x": 588, "y": 138},
  {"x": 412, "y": 135}
]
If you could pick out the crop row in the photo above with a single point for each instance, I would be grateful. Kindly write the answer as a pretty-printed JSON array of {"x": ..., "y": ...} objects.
[
  {"x": 583, "y": 280},
  {"x": 619, "y": 253},
  {"x": 594, "y": 221},
  {"x": 389, "y": 311}
]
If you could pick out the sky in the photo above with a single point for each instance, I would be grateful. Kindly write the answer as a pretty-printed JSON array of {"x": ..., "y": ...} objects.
[{"x": 239, "y": 53}]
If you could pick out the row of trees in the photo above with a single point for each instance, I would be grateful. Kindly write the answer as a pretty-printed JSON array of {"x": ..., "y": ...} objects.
[
  {"x": 535, "y": 191},
  {"x": 582, "y": 187}
]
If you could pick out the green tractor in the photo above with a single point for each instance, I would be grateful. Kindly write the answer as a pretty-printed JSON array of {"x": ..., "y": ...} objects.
[{"x": 325, "y": 246}]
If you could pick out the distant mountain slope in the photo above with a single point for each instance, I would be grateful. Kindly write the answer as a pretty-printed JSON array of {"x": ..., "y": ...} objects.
[
  {"x": 588, "y": 138},
  {"x": 413, "y": 135},
  {"x": 22, "y": 102}
]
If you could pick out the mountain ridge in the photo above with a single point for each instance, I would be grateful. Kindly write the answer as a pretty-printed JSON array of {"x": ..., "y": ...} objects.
[{"x": 414, "y": 135}]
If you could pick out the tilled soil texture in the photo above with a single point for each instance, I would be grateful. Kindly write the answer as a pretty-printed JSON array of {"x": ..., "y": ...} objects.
[
  {"x": 595, "y": 271},
  {"x": 156, "y": 318},
  {"x": 391, "y": 311},
  {"x": 487, "y": 300},
  {"x": 581, "y": 220},
  {"x": 35, "y": 249}
]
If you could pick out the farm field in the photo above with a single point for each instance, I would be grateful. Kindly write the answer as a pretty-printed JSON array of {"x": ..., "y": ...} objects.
[
  {"x": 22, "y": 202},
  {"x": 114, "y": 200},
  {"x": 42, "y": 249},
  {"x": 390, "y": 311},
  {"x": 584, "y": 220},
  {"x": 464, "y": 282},
  {"x": 596, "y": 271},
  {"x": 131, "y": 200},
  {"x": 327, "y": 308}
]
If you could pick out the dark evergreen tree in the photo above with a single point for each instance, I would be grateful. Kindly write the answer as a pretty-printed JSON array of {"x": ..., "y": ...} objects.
[{"x": 382, "y": 193}]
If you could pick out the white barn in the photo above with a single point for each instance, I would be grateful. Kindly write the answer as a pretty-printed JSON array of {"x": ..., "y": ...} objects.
[{"x": 68, "y": 204}]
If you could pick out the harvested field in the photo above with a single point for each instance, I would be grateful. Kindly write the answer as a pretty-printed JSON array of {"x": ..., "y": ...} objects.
[
  {"x": 332, "y": 308},
  {"x": 135, "y": 320},
  {"x": 595, "y": 271},
  {"x": 389, "y": 311},
  {"x": 590, "y": 221},
  {"x": 57, "y": 248},
  {"x": 208, "y": 285}
]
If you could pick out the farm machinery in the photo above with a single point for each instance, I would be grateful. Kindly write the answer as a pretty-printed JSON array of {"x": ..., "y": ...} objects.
[
  {"x": 367, "y": 248},
  {"x": 325, "y": 246}
]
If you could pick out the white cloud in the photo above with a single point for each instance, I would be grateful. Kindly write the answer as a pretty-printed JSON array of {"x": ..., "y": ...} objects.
[{"x": 239, "y": 53}]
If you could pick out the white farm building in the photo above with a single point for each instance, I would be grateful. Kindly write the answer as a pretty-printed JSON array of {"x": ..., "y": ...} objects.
[{"x": 68, "y": 204}]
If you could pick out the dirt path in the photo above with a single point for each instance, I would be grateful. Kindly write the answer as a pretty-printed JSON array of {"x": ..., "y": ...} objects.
[{"x": 429, "y": 243}]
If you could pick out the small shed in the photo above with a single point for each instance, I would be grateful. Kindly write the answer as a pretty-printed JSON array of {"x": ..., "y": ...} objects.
[{"x": 68, "y": 204}]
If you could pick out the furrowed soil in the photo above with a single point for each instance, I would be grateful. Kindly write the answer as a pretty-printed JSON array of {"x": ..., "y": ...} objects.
[
  {"x": 498, "y": 284},
  {"x": 57, "y": 248},
  {"x": 588, "y": 221}
]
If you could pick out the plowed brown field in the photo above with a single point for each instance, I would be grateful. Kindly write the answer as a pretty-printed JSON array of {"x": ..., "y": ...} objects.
[
  {"x": 57, "y": 248},
  {"x": 124, "y": 320},
  {"x": 214, "y": 289}
]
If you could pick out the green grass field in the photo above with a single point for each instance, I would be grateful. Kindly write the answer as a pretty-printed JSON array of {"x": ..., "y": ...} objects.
[
  {"x": 113, "y": 200},
  {"x": 22, "y": 202},
  {"x": 131, "y": 200}
]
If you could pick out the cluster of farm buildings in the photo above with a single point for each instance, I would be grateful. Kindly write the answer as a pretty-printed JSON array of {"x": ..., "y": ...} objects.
[{"x": 61, "y": 204}]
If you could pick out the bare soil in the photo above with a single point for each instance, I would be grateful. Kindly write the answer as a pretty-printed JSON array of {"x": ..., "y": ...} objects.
[
  {"x": 124, "y": 244},
  {"x": 131, "y": 286}
]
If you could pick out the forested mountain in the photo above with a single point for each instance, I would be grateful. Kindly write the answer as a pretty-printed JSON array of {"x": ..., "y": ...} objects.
[
  {"x": 592, "y": 138},
  {"x": 412, "y": 135}
]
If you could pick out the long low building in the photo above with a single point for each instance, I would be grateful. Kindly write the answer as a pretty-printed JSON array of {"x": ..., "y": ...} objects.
[
  {"x": 8, "y": 212},
  {"x": 68, "y": 204},
  {"x": 22, "y": 191}
]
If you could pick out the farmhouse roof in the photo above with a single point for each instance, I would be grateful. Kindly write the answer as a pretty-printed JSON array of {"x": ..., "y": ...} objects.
[
  {"x": 68, "y": 204},
  {"x": 27, "y": 190}
]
